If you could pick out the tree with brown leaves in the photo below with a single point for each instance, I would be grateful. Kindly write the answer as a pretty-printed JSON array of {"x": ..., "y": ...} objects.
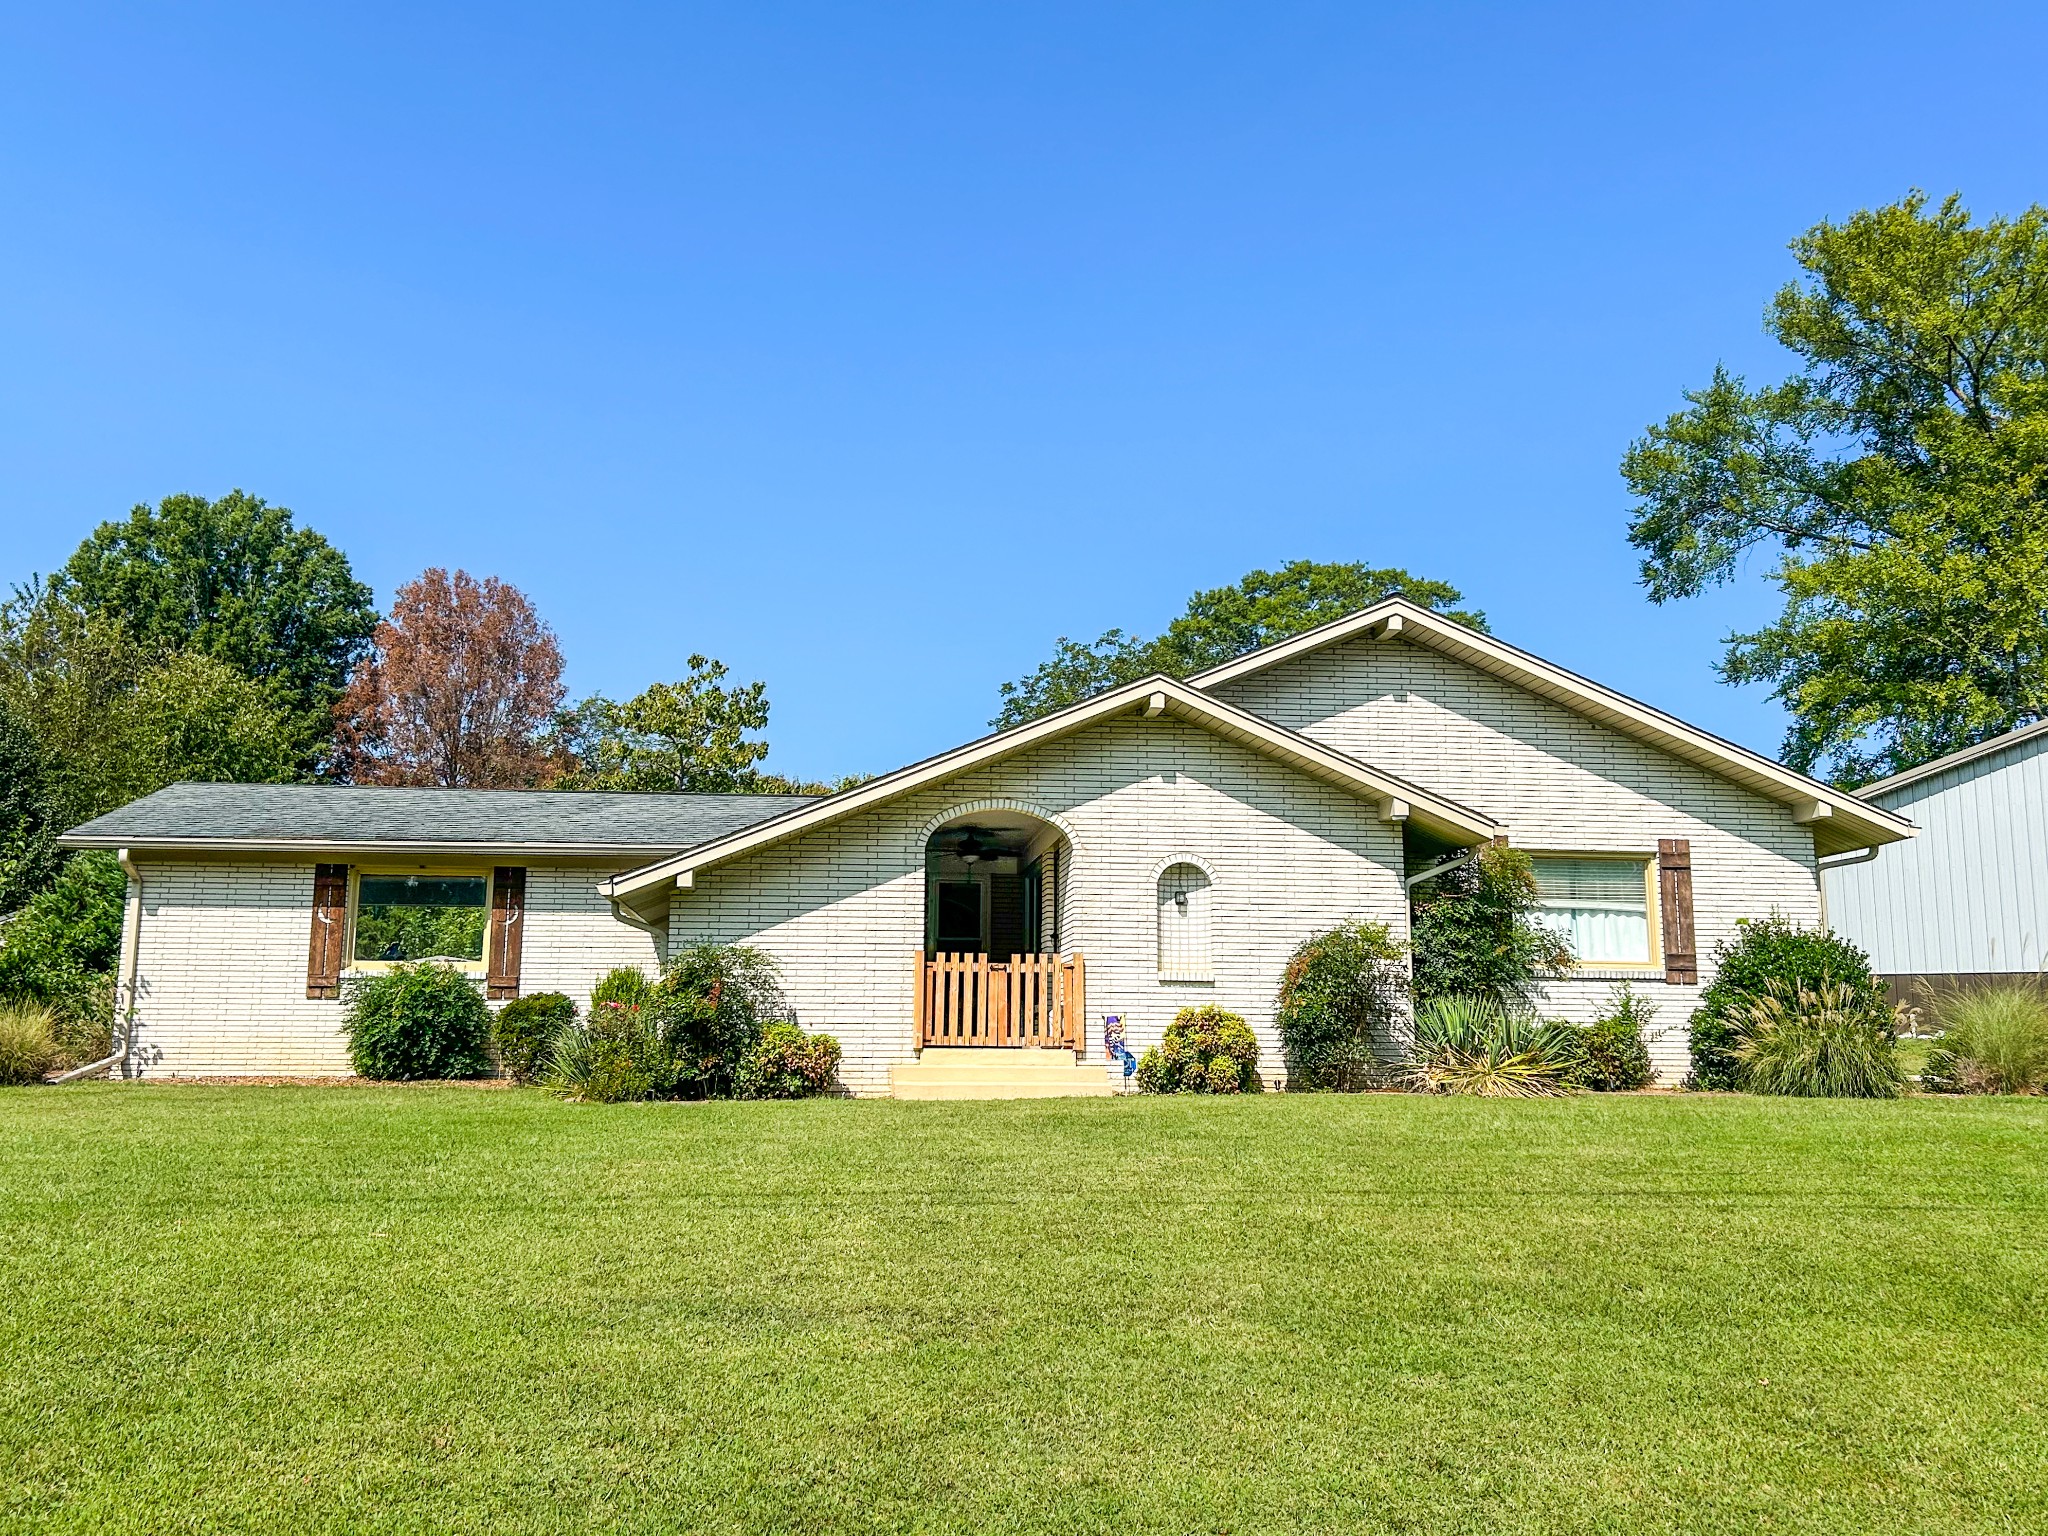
[{"x": 460, "y": 683}]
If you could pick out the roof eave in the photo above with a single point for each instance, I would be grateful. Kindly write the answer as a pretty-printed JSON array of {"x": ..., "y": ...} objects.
[{"x": 310, "y": 847}]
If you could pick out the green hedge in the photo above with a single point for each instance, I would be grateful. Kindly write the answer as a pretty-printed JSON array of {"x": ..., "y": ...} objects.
[{"x": 418, "y": 1020}]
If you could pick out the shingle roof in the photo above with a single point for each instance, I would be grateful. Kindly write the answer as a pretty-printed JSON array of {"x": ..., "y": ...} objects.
[{"x": 194, "y": 815}]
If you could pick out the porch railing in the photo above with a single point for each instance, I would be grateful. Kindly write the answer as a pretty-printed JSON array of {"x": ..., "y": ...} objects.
[{"x": 1039, "y": 1000}]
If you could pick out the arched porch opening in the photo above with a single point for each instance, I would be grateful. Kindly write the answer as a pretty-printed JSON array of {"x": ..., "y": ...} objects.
[{"x": 992, "y": 970}]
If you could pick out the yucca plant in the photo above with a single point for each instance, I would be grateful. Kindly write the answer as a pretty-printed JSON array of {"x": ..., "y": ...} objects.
[
  {"x": 1995, "y": 1040},
  {"x": 1474, "y": 1046},
  {"x": 1834, "y": 1043}
]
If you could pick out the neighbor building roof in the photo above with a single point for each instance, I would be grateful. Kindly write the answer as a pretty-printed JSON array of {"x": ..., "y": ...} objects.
[
  {"x": 342, "y": 817},
  {"x": 1958, "y": 759}
]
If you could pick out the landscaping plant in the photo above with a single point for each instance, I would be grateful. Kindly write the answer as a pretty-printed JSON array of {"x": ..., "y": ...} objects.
[
  {"x": 786, "y": 1063},
  {"x": 1834, "y": 1043},
  {"x": 1204, "y": 1050},
  {"x": 525, "y": 1027},
  {"x": 1341, "y": 1001},
  {"x": 616, "y": 1056},
  {"x": 622, "y": 984},
  {"x": 1474, "y": 1046},
  {"x": 1767, "y": 955},
  {"x": 1994, "y": 1040},
  {"x": 710, "y": 1006},
  {"x": 1475, "y": 932},
  {"x": 418, "y": 1020},
  {"x": 28, "y": 1043},
  {"x": 1609, "y": 1055}
]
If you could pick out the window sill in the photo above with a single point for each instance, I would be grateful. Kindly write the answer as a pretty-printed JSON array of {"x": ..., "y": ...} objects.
[
  {"x": 1606, "y": 973},
  {"x": 1186, "y": 981}
]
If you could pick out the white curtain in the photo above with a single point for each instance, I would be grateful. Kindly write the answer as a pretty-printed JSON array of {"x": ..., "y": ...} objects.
[{"x": 1600, "y": 907}]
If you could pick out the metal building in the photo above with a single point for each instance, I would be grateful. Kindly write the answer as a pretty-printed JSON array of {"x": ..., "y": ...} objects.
[{"x": 1968, "y": 898}]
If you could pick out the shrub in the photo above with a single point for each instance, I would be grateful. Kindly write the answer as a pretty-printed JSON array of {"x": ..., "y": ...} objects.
[
  {"x": 1608, "y": 1055},
  {"x": 786, "y": 1063},
  {"x": 1340, "y": 1001},
  {"x": 418, "y": 1020},
  {"x": 28, "y": 1043},
  {"x": 1834, "y": 1043},
  {"x": 710, "y": 1006},
  {"x": 61, "y": 948},
  {"x": 524, "y": 1028},
  {"x": 1474, "y": 1046},
  {"x": 1475, "y": 933},
  {"x": 1204, "y": 1050},
  {"x": 1995, "y": 1040},
  {"x": 1768, "y": 955},
  {"x": 616, "y": 1057},
  {"x": 623, "y": 984}
]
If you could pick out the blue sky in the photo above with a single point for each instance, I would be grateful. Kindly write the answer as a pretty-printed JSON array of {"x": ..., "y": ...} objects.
[{"x": 872, "y": 348}]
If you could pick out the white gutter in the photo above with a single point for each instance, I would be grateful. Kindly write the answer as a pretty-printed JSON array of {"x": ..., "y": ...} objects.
[
  {"x": 124, "y": 986},
  {"x": 1840, "y": 861}
]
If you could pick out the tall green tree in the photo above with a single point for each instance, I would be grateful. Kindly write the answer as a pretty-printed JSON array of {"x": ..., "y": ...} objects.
[
  {"x": 237, "y": 580},
  {"x": 1897, "y": 476},
  {"x": 28, "y": 819},
  {"x": 112, "y": 720},
  {"x": 693, "y": 735},
  {"x": 1217, "y": 625}
]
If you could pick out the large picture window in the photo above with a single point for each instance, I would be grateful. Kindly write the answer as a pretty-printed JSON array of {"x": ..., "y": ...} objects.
[
  {"x": 1600, "y": 907},
  {"x": 421, "y": 917}
]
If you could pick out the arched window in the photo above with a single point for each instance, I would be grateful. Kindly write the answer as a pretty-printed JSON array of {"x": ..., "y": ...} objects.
[{"x": 1184, "y": 949}]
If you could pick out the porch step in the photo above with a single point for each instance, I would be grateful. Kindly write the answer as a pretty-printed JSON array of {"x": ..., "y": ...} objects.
[{"x": 989, "y": 1072}]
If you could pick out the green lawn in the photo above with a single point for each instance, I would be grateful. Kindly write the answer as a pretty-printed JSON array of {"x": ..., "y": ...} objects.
[{"x": 443, "y": 1308}]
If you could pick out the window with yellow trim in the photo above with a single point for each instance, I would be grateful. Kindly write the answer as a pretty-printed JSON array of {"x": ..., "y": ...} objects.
[
  {"x": 421, "y": 915},
  {"x": 1600, "y": 907}
]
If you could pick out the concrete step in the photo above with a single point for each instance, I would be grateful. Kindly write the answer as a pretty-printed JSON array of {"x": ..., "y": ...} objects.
[{"x": 965, "y": 1072}]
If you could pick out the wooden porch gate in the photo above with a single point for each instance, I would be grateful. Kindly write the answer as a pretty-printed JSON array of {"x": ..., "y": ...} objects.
[{"x": 1038, "y": 1000}]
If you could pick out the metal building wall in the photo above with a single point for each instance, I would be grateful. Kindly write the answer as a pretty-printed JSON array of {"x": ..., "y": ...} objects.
[{"x": 1968, "y": 895}]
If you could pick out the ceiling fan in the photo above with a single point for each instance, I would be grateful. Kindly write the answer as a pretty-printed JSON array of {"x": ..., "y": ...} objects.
[{"x": 975, "y": 845}]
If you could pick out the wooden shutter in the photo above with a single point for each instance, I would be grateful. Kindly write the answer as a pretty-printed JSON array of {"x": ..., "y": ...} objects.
[
  {"x": 330, "y": 927},
  {"x": 508, "y": 924},
  {"x": 1674, "y": 902}
]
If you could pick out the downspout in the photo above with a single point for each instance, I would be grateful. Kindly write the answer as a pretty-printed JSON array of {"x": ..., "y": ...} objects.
[
  {"x": 124, "y": 986},
  {"x": 1443, "y": 869}
]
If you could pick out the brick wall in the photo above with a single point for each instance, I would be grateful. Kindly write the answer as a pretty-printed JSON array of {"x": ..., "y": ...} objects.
[
  {"x": 842, "y": 908},
  {"x": 222, "y": 964},
  {"x": 1560, "y": 782}
]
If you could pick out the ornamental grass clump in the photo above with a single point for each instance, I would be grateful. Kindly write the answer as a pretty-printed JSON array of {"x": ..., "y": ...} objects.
[
  {"x": 1476, "y": 1047},
  {"x": 1834, "y": 1043},
  {"x": 1994, "y": 1040},
  {"x": 418, "y": 1020},
  {"x": 1205, "y": 1050},
  {"x": 1769, "y": 956},
  {"x": 28, "y": 1043}
]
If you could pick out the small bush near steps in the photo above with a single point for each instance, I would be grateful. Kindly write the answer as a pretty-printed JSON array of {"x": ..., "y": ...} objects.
[
  {"x": 418, "y": 1020},
  {"x": 1205, "y": 1050},
  {"x": 786, "y": 1063}
]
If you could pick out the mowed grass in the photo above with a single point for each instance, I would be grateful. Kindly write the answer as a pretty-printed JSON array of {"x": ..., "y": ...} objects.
[{"x": 448, "y": 1309}]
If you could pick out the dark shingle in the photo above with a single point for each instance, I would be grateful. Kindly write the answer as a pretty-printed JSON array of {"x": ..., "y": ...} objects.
[{"x": 336, "y": 813}]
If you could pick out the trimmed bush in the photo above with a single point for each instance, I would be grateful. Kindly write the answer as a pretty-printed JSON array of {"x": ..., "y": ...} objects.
[
  {"x": 1340, "y": 1002},
  {"x": 1609, "y": 1055},
  {"x": 1475, "y": 1047},
  {"x": 710, "y": 1006},
  {"x": 623, "y": 984},
  {"x": 1769, "y": 956},
  {"x": 786, "y": 1063},
  {"x": 1835, "y": 1043},
  {"x": 418, "y": 1020},
  {"x": 28, "y": 1043},
  {"x": 1205, "y": 1050},
  {"x": 1995, "y": 1041},
  {"x": 523, "y": 1029}
]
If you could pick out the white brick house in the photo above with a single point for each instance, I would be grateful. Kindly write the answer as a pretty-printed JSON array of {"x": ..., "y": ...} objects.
[{"x": 1164, "y": 844}]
